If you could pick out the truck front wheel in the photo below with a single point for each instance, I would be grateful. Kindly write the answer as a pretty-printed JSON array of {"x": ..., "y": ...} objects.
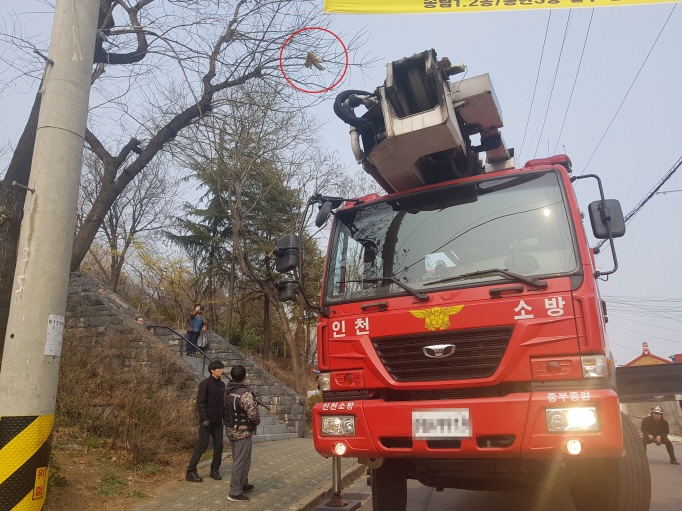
[
  {"x": 613, "y": 484},
  {"x": 389, "y": 486}
]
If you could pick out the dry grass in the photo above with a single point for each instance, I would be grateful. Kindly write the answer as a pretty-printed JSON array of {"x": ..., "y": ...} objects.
[{"x": 140, "y": 404}]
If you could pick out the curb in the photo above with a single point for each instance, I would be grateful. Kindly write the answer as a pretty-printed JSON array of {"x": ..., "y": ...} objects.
[{"x": 310, "y": 501}]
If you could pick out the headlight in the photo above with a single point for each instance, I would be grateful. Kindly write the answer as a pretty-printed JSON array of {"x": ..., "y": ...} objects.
[
  {"x": 572, "y": 419},
  {"x": 325, "y": 381},
  {"x": 594, "y": 366},
  {"x": 338, "y": 425}
]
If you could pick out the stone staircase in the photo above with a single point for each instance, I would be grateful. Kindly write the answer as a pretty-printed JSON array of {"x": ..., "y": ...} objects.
[
  {"x": 94, "y": 309},
  {"x": 269, "y": 429},
  {"x": 286, "y": 417}
]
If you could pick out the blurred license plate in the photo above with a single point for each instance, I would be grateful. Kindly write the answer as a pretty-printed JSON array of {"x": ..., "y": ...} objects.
[{"x": 445, "y": 423}]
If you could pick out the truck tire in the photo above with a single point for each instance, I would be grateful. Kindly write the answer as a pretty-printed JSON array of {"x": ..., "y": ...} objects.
[
  {"x": 389, "y": 486},
  {"x": 618, "y": 484}
]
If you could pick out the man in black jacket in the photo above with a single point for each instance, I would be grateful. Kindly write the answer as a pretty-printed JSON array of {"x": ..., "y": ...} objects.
[
  {"x": 655, "y": 430},
  {"x": 211, "y": 404}
]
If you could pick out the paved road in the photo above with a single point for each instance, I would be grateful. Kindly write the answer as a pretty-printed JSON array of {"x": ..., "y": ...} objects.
[
  {"x": 666, "y": 482},
  {"x": 284, "y": 473}
]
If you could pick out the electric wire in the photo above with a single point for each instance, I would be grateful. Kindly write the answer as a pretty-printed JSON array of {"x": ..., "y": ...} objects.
[
  {"x": 577, "y": 73},
  {"x": 643, "y": 323},
  {"x": 625, "y": 347},
  {"x": 647, "y": 335},
  {"x": 535, "y": 88},
  {"x": 630, "y": 88},
  {"x": 669, "y": 309},
  {"x": 646, "y": 198},
  {"x": 551, "y": 89},
  {"x": 634, "y": 299}
]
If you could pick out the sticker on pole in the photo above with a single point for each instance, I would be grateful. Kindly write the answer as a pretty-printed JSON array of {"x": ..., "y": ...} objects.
[
  {"x": 441, "y": 6},
  {"x": 55, "y": 333},
  {"x": 39, "y": 487}
]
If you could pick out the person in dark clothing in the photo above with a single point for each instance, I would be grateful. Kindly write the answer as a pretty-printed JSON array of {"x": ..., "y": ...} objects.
[
  {"x": 655, "y": 430},
  {"x": 210, "y": 403},
  {"x": 241, "y": 418}
]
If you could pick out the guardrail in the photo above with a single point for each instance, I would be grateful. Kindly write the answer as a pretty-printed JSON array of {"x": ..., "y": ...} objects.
[{"x": 205, "y": 357}]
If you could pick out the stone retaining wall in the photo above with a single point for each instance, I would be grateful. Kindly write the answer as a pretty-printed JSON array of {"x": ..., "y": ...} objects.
[{"x": 93, "y": 309}]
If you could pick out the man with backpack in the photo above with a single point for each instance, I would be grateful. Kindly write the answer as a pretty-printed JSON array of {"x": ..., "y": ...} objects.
[{"x": 241, "y": 418}]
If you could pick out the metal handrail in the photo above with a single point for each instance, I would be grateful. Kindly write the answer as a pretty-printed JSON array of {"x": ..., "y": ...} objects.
[{"x": 203, "y": 360}]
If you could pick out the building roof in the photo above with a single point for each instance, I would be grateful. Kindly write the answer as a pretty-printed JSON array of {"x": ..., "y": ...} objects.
[{"x": 647, "y": 358}]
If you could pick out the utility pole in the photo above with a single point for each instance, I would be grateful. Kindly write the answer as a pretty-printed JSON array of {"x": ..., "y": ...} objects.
[{"x": 30, "y": 365}]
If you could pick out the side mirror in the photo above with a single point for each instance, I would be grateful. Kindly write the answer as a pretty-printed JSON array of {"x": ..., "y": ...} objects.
[
  {"x": 286, "y": 290},
  {"x": 600, "y": 215},
  {"x": 287, "y": 253},
  {"x": 323, "y": 214}
]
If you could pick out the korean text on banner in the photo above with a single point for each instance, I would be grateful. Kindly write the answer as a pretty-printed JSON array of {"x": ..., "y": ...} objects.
[{"x": 433, "y": 6}]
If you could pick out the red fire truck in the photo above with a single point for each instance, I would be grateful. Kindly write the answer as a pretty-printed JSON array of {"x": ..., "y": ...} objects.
[{"x": 462, "y": 337}]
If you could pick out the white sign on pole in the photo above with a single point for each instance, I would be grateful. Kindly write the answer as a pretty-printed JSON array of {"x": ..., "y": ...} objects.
[{"x": 55, "y": 332}]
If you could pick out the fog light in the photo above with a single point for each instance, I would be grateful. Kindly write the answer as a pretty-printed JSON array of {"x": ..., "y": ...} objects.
[
  {"x": 594, "y": 366},
  {"x": 340, "y": 449},
  {"x": 573, "y": 447},
  {"x": 324, "y": 382},
  {"x": 572, "y": 419},
  {"x": 338, "y": 425}
]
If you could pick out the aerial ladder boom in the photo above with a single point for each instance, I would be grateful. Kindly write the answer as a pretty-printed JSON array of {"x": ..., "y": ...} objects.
[{"x": 418, "y": 126}]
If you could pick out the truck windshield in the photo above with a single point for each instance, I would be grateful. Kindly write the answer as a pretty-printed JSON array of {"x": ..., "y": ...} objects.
[{"x": 517, "y": 223}]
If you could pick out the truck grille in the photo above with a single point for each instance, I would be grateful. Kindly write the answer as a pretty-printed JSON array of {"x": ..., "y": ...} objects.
[
  {"x": 501, "y": 390},
  {"x": 477, "y": 354}
]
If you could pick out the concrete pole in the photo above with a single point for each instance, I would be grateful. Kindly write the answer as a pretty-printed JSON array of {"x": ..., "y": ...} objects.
[{"x": 30, "y": 364}]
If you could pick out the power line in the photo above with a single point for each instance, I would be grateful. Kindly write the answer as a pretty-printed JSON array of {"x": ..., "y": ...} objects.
[
  {"x": 648, "y": 196},
  {"x": 542, "y": 53},
  {"x": 587, "y": 34},
  {"x": 626, "y": 298},
  {"x": 611, "y": 342},
  {"x": 630, "y": 88},
  {"x": 647, "y": 324},
  {"x": 551, "y": 89},
  {"x": 646, "y": 335}
]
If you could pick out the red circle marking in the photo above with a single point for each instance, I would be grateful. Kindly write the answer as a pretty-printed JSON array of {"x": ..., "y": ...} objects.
[{"x": 281, "y": 66}]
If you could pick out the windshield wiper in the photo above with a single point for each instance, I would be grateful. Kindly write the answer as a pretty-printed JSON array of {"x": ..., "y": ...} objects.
[
  {"x": 540, "y": 284},
  {"x": 412, "y": 291}
]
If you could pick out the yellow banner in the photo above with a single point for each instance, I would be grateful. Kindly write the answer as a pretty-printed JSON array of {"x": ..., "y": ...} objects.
[{"x": 433, "y": 6}]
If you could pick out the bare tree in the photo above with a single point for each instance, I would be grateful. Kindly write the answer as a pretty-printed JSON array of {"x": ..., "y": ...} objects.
[
  {"x": 144, "y": 207},
  {"x": 160, "y": 69}
]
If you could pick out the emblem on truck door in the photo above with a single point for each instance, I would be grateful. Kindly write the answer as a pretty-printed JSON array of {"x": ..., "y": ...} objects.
[
  {"x": 437, "y": 318},
  {"x": 439, "y": 350}
]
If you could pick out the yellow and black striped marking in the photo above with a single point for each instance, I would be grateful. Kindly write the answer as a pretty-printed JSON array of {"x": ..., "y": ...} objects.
[{"x": 24, "y": 457}]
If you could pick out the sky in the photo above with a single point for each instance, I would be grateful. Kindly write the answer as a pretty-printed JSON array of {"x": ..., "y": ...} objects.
[{"x": 644, "y": 297}]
